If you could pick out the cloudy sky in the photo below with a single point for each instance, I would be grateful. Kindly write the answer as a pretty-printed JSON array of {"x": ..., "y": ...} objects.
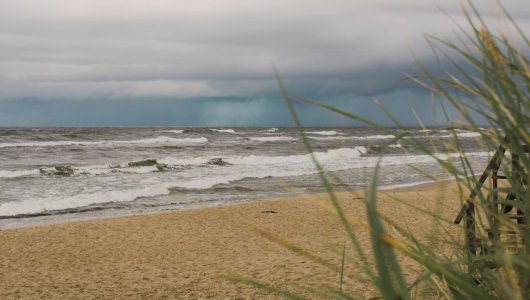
[{"x": 210, "y": 62}]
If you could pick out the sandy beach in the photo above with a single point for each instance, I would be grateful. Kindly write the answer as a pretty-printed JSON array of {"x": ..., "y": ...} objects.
[{"x": 189, "y": 254}]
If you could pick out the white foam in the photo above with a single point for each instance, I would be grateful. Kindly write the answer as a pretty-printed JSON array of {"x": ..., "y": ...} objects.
[
  {"x": 274, "y": 129},
  {"x": 80, "y": 170},
  {"x": 240, "y": 167},
  {"x": 374, "y": 137},
  {"x": 296, "y": 165},
  {"x": 468, "y": 134},
  {"x": 48, "y": 144},
  {"x": 394, "y": 146},
  {"x": 223, "y": 130},
  {"x": 425, "y": 130},
  {"x": 446, "y": 136},
  {"x": 84, "y": 170},
  {"x": 122, "y": 167},
  {"x": 148, "y": 141},
  {"x": 411, "y": 184},
  {"x": 272, "y": 139},
  {"x": 18, "y": 173},
  {"x": 325, "y": 132},
  {"x": 106, "y": 169},
  {"x": 323, "y": 157},
  {"x": 405, "y": 185},
  {"x": 93, "y": 170},
  {"x": 361, "y": 149},
  {"x": 331, "y": 138},
  {"x": 165, "y": 140},
  {"x": 254, "y": 166},
  {"x": 137, "y": 170},
  {"x": 172, "y": 131},
  {"x": 369, "y": 137},
  {"x": 57, "y": 203}
]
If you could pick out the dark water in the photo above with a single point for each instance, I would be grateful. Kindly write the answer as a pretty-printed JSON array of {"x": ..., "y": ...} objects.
[{"x": 56, "y": 174}]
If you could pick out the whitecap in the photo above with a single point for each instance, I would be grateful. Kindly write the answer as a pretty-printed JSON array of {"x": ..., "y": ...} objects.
[
  {"x": 271, "y": 130},
  {"x": 461, "y": 134},
  {"x": 325, "y": 132},
  {"x": 164, "y": 140},
  {"x": 369, "y": 137},
  {"x": 184, "y": 161},
  {"x": 148, "y": 141},
  {"x": 331, "y": 138},
  {"x": 330, "y": 155},
  {"x": 272, "y": 139},
  {"x": 60, "y": 203},
  {"x": 18, "y": 173},
  {"x": 374, "y": 137},
  {"x": 172, "y": 131},
  {"x": 137, "y": 170},
  {"x": 468, "y": 134},
  {"x": 224, "y": 130}
]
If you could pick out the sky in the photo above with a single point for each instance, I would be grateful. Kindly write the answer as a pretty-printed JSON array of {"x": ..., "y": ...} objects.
[{"x": 210, "y": 62}]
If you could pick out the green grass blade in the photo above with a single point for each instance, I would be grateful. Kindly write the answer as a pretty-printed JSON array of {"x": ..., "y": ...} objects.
[{"x": 390, "y": 279}]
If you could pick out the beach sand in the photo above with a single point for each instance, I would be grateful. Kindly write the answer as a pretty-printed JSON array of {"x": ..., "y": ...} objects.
[{"x": 189, "y": 254}]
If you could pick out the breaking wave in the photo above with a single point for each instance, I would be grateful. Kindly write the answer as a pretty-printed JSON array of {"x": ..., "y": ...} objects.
[
  {"x": 369, "y": 137},
  {"x": 35, "y": 206},
  {"x": 206, "y": 172},
  {"x": 445, "y": 136},
  {"x": 148, "y": 141},
  {"x": 329, "y": 132},
  {"x": 272, "y": 139},
  {"x": 271, "y": 130},
  {"x": 374, "y": 137},
  {"x": 18, "y": 173},
  {"x": 223, "y": 130},
  {"x": 172, "y": 131}
]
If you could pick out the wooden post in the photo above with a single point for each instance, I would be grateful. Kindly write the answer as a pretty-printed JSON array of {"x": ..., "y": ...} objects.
[
  {"x": 470, "y": 229},
  {"x": 498, "y": 154}
]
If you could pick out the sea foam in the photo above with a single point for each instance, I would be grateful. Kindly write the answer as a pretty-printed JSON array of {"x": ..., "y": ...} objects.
[
  {"x": 325, "y": 132},
  {"x": 203, "y": 175},
  {"x": 172, "y": 131},
  {"x": 224, "y": 130},
  {"x": 148, "y": 141},
  {"x": 272, "y": 139},
  {"x": 18, "y": 173},
  {"x": 271, "y": 130},
  {"x": 35, "y": 206},
  {"x": 374, "y": 137}
]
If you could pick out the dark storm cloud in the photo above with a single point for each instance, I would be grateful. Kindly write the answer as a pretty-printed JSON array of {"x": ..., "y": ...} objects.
[{"x": 214, "y": 57}]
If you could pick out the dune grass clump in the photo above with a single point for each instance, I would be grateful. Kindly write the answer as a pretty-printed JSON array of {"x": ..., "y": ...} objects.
[{"x": 490, "y": 91}]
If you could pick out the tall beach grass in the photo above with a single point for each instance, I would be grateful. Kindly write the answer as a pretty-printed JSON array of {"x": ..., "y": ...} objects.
[{"x": 490, "y": 89}]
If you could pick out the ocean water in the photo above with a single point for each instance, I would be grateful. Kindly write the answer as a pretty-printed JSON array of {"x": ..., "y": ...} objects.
[{"x": 50, "y": 175}]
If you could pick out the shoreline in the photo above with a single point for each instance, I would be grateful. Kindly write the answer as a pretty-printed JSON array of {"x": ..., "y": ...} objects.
[
  {"x": 189, "y": 253},
  {"x": 53, "y": 219}
]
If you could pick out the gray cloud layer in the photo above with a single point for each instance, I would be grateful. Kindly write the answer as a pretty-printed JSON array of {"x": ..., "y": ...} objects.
[{"x": 56, "y": 51}]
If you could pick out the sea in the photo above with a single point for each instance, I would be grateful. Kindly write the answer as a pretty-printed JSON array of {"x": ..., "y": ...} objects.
[{"x": 56, "y": 175}]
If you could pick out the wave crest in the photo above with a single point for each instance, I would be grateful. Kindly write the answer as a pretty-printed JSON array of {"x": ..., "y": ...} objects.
[{"x": 147, "y": 141}]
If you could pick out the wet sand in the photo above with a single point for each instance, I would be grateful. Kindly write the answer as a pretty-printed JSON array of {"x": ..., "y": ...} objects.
[{"x": 190, "y": 254}]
